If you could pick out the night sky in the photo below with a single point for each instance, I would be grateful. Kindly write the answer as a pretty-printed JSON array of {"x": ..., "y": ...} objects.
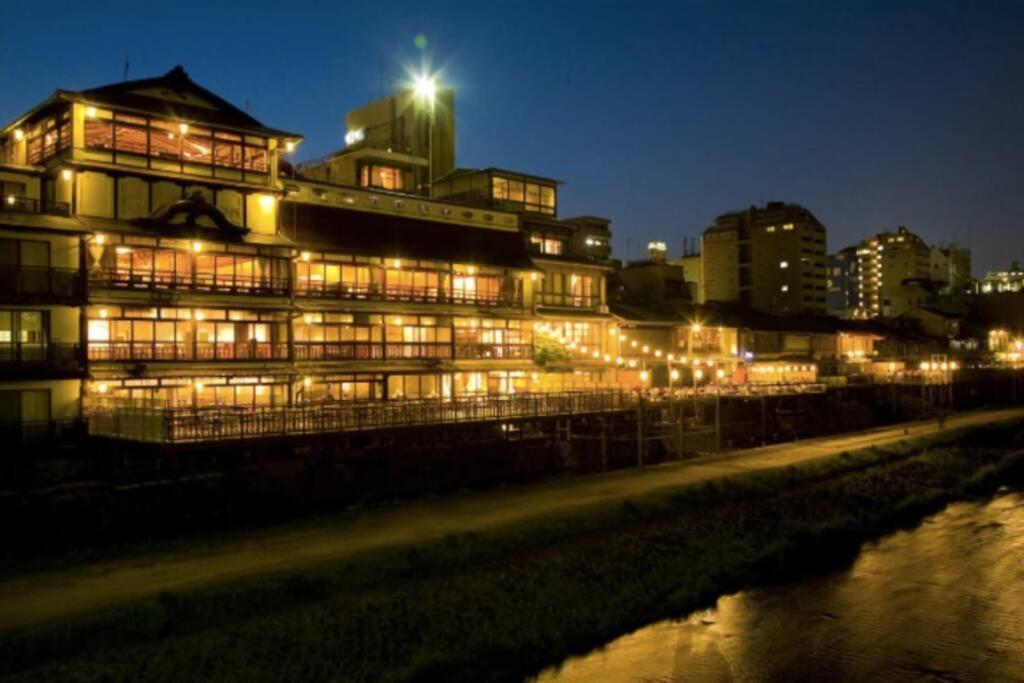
[{"x": 657, "y": 116}]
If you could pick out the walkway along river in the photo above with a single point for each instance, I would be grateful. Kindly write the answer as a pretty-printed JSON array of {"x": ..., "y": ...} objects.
[{"x": 943, "y": 602}]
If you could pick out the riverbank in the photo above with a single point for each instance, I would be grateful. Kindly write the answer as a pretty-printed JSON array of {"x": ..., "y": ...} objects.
[{"x": 501, "y": 603}]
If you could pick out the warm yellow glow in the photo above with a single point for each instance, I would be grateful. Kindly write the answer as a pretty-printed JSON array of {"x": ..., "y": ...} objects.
[
  {"x": 289, "y": 146},
  {"x": 396, "y": 263},
  {"x": 644, "y": 375},
  {"x": 597, "y": 354},
  {"x": 19, "y": 134},
  {"x": 698, "y": 374},
  {"x": 10, "y": 199},
  {"x": 100, "y": 238},
  {"x": 696, "y": 327},
  {"x": 305, "y": 256},
  {"x": 632, "y": 362},
  {"x": 674, "y": 374},
  {"x": 622, "y": 337},
  {"x": 307, "y": 381},
  {"x": 471, "y": 270},
  {"x": 102, "y": 387},
  {"x": 90, "y": 112},
  {"x": 123, "y": 250},
  {"x": 199, "y": 386},
  {"x": 607, "y": 358},
  {"x": 619, "y": 360},
  {"x": 583, "y": 349},
  {"x": 266, "y": 203},
  {"x": 183, "y": 127},
  {"x": 670, "y": 357},
  {"x": 66, "y": 174},
  {"x": 924, "y": 365},
  {"x": 719, "y": 373},
  {"x": 199, "y": 315},
  {"x": 657, "y": 353},
  {"x": 633, "y": 343},
  {"x": 308, "y": 318},
  {"x": 197, "y": 246},
  {"x": 646, "y": 348},
  {"x": 103, "y": 313}
]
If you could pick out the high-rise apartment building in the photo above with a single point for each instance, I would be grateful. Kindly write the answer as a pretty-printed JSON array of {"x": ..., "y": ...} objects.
[
  {"x": 843, "y": 282},
  {"x": 884, "y": 262},
  {"x": 771, "y": 258}
]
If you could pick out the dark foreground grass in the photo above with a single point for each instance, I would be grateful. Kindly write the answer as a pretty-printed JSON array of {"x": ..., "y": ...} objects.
[{"x": 501, "y": 605}]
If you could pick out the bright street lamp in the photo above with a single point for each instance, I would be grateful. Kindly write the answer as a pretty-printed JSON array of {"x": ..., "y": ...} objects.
[{"x": 425, "y": 88}]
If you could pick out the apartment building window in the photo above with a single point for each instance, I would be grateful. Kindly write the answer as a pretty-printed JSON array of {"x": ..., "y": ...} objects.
[
  {"x": 493, "y": 338},
  {"x": 783, "y": 264},
  {"x": 419, "y": 386},
  {"x": 583, "y": 334},
  {"x": 23, "y": 335},
  {"x": 547, "y": 245},
  {"x": 770, "y": 228},
  {"x": 338, "y": 336},
  {"x": 420, "y": 337},
  {"x": 787, "y": 226},
  {"x": 378, "y": 175},
  {"x": 128, "y": 333}
]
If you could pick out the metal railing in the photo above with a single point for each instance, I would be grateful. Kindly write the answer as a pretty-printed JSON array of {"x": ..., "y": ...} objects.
[
  {"x": 568, "y": 300},
  {"x": 114, "y": 278},
  {"x": 375, "y": 292},
  {"x": 173, "y": 351},
  {"x": 192, "y": 425},
  {"x": 40, "y": 282},
  {"x": 52, "y": 358},
  {"x": 346, "y": 350},
  {"x": 29, "y": 205}
]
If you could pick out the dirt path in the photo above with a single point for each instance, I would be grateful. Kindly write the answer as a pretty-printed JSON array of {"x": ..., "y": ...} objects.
[{"x": 40, "y": 597}]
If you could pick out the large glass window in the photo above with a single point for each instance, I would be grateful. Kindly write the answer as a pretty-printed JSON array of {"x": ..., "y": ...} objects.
[
  {"x": 532, "y": 195},
  {"x": 334, "y": 388},
  {"x": 421, "y": 337},
  {"x": 378, "y": 175},
  {"x": 410, "y": 284},
  {"x": 140, "y": 333},
  {"x": 131, "y": 134},
  {"x": 338, "y": 336},
  {"x": 491, "y": 338}
]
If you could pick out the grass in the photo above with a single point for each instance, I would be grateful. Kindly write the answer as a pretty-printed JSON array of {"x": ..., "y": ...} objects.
[{"x": 500, "y": 605}]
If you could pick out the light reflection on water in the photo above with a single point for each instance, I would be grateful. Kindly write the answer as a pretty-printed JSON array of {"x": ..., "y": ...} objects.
[{"x": 942, "y": 602}]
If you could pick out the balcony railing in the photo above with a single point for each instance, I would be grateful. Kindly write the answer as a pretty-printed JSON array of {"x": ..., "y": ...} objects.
[
  {"x": 568, "y": 300},
  {"x": 32, "y": 283},
  {"x": 28, "y": 205},
  {"x": 191, "y": 425},
  {"x": 339, "y": 350},
  {"x": 199, "y": 351},
  {"x": 112, "y": 278},
  {"x": 23, "y": 359},
  {"x": 374, "y": 292},
  {"x": 418, "y": 350},
  {"x": 497, "y": 351}
]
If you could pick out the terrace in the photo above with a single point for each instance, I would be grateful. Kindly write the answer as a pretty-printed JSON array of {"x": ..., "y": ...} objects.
[{"x": 173, "y": 425}]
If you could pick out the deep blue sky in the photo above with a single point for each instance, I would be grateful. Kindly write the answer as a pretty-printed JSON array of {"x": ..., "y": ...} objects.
[{"x": 659, "y": 116}]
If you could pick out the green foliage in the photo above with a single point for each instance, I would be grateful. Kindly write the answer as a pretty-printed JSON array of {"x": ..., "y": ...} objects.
[{"x": 549, "y": 351}]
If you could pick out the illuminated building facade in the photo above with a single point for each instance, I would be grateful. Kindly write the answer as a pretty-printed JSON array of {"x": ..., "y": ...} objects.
[
  {"x": 884, "y": 262},
  {"x": 771, "y": 258},
  {"x": 168, "y": 276}
]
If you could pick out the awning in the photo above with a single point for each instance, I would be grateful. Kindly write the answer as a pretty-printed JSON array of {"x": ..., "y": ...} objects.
[{"x": 372, "y": 234}]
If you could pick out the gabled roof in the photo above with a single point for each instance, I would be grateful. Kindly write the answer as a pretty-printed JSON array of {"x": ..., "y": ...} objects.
[{"x": 175, "y": 96}]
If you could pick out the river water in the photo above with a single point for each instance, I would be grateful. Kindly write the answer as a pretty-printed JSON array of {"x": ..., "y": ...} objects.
[{"x": 942, "y": 602}]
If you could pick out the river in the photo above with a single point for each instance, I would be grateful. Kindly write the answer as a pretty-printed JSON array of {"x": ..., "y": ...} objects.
[{"x": 941, "y": 602}]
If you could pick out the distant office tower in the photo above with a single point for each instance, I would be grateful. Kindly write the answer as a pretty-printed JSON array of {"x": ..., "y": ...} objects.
[
  {"x": 771, "y": 258},
  {"x": 843, "y": 282}
]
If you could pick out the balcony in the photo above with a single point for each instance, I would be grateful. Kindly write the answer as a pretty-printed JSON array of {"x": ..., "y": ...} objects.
[
  {"x": 565, "y": 300},
  {"x": 28, "y": 205},
  {"x": 157, "y": 280},
  {"x": 433, "y": 295},
  {"x": 185, "y": 351},
  {"x": 345, "y": 350},
  {"x": 41, "y": 360},
  {"x": 494, "y": 351},
  {"x": 195, "y": 425},
  {"x": 32, "y": 284}
]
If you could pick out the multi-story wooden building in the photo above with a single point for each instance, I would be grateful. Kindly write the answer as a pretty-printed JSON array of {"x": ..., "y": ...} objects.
[{"x": 162, "y": 280}]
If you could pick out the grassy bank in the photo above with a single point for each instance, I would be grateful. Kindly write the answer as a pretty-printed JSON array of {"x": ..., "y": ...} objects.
[{"x": 500, "y": 605}]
